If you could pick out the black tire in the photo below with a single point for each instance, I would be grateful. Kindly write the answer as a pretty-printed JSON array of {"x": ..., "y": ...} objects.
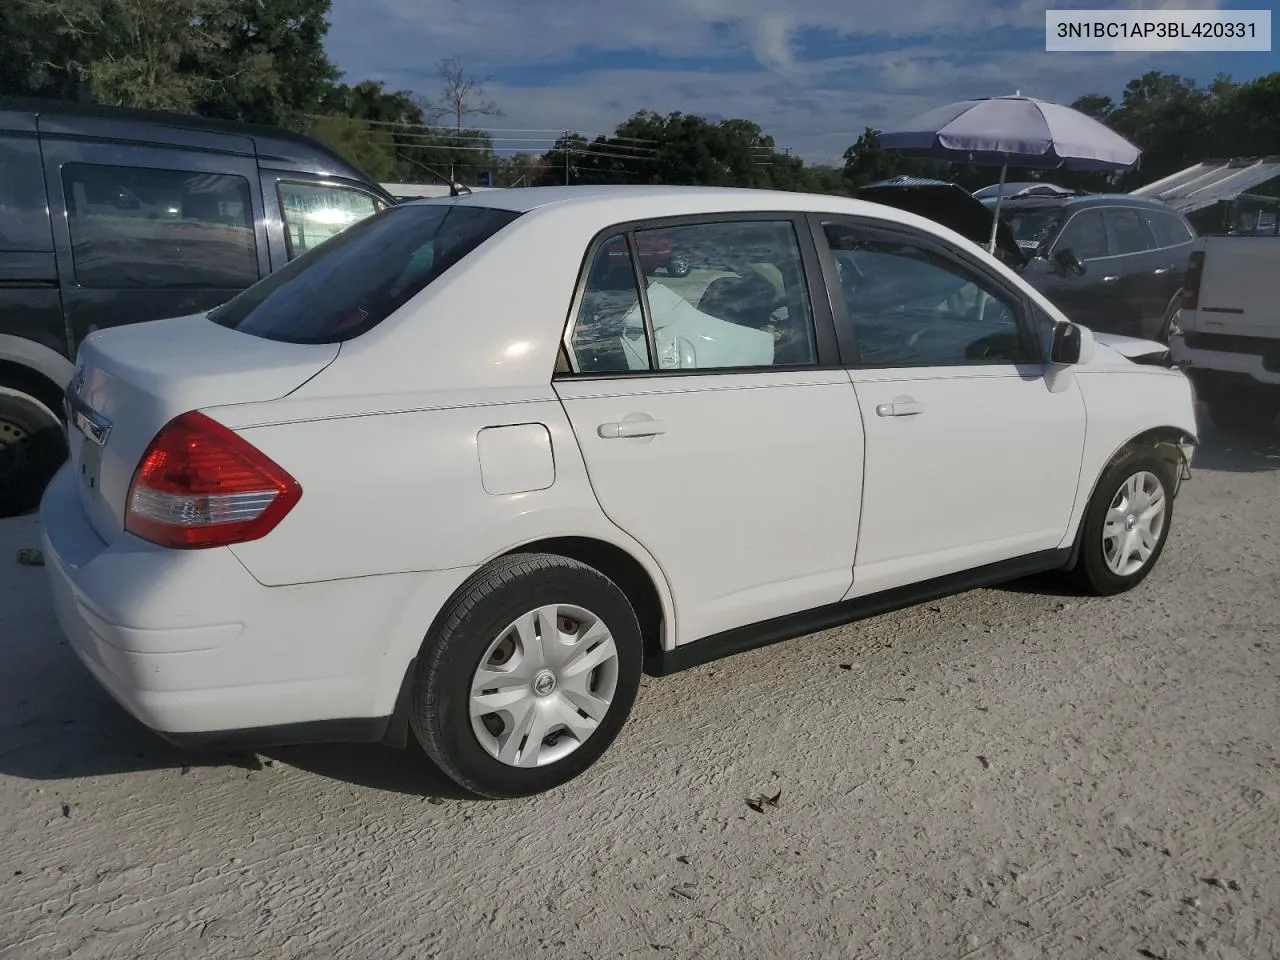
[
  {"x": 1246, "y": 412},
  {"x": 678, "y": 265},
  {"x": 482, "y": 609},
  {"x": 1091, "y": 573},
  {"x": 33, "y": 445}
]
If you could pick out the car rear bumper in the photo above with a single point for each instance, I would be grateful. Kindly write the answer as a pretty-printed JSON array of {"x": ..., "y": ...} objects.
[
  {"x": 196, "y": 649},
  {"x": 1194, "y": 360}
]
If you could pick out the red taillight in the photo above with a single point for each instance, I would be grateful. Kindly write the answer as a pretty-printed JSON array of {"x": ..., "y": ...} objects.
[
  {"x": 201, "y": 485},
  {"x": 1195, "y": 271}
]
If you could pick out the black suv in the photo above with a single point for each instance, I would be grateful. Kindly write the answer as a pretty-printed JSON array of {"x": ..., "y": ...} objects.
[
  {"x": 111, "y": 216},
  {"x": 1110, "y": 262}
]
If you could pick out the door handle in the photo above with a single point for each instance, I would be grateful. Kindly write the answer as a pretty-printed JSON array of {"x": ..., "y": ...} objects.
[
  {"x": 901, "y": 407},
  {"x": 631, "y": 428},
  {"x": 1161, "y": 271},
  {"x": 1110, "y": 279}
]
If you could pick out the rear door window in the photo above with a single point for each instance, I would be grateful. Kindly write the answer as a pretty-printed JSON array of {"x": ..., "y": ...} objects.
[
  {"x": 315, "y": 212},
  {"x": 353, "y": 282},
  {"x": 1128, "y": 234},
  {"x": 144, "y": 227}
]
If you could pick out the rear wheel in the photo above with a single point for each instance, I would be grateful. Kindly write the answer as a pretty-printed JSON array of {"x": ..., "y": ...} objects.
[
  {"x": 32, "y": 448},
  {"x": 1126, "y": 524},
  {"x": 528, "y": 676}
]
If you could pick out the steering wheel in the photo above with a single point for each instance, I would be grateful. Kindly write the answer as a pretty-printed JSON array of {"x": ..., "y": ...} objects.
[{"x": 943, "y": 319}]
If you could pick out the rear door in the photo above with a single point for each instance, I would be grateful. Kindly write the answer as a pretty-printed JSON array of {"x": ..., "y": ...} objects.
[
  {"x": 717, "y": 425},
  {"x": 1173, "y": 239},
  {"x": 145, "y": 232},
  {"x": 30, "y": 309}
]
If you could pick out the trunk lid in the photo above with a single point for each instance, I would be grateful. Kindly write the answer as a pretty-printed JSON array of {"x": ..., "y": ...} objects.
[
  {"x": 953, "y": 207},
  {"x": 132, "y": 380}
]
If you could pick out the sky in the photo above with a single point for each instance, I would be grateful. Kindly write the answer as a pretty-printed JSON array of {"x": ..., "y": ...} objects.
[{"x": 812, "y": 73}]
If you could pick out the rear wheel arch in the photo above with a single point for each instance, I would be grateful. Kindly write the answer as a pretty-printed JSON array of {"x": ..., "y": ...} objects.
[
  {"x": 26, "y": 379},
  {"x": 1166, "y": 440},
  {"x": 630, "y": 575}
]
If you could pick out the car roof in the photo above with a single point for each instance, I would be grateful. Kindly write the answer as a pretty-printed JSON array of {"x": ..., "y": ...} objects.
[
  {"x": 270, "y": 143},
  {"x": 1081, "y": 201},
  {"x": 666, "y": 201}
]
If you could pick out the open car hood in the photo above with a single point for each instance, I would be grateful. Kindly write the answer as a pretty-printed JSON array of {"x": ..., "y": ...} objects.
[{"x": 954, "y": 208}]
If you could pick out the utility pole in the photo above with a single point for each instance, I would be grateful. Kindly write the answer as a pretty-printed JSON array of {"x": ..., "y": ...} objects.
[{"x": 566, "y": 166}]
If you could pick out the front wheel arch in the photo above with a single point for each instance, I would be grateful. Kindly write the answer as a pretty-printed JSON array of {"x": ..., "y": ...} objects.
[{"x": 1169, "y": 443}]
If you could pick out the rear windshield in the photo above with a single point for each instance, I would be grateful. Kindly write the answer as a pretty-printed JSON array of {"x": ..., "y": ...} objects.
[{"x": 350, "y": 283}]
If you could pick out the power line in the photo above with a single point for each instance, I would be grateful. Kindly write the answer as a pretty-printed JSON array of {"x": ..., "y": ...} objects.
[
  {"x": 461, "y": 143},
  {"x": 561, "y": 131}
]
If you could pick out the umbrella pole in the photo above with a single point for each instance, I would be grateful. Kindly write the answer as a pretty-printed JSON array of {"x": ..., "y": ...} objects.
[{"x": 995, "y": 218}]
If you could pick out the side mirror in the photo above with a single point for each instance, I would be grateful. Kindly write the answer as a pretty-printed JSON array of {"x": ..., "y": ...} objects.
[
  {"x": 1067, "y": 346},
  {"x": 1068, "y": 262}
]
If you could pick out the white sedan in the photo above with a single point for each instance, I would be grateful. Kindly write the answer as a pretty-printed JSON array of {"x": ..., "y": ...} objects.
[{"x": 469, "y": 468}]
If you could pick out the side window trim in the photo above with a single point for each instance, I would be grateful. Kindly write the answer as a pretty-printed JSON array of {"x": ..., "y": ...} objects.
[
  {"x": 1140, "y": 210},
  {"x": 1024, "y": 310},
  {"x": 646, "y": 311},
  {"x": 829, "y": 355}
]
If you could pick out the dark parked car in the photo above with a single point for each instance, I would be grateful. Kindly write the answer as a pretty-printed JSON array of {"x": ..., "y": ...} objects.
[
  {"x": 111, "y": 216},
  {"x": 1110, "y": 262}
]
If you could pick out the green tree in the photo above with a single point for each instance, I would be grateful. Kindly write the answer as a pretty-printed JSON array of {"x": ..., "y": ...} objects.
[
  {"x": 866, "y": 162},
  {"x": 269, "y": 58}
]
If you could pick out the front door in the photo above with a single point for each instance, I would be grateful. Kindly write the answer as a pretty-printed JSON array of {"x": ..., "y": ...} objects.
[
  {"x": 152, "y": 232},
  {"x": 972, "y": 457},
  {"x": 716, "y": 426},
  {"x": 1087, "y": 297}
]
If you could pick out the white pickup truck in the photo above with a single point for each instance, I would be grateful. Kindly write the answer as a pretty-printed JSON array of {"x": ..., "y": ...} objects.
[{"x": 1225, "y": 326}]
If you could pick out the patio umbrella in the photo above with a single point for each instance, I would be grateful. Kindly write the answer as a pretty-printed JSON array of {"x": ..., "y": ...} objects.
[{"x": 1014, "y": 131}]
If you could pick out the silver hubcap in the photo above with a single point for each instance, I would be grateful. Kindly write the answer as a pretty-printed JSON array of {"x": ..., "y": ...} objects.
[
  {"x": 544, "y": 685},
  {"x": 1135, "y": 521}
]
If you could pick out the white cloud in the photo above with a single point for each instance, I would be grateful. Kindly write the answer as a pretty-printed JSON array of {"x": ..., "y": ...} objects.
[{"x": 930, "y": 52}]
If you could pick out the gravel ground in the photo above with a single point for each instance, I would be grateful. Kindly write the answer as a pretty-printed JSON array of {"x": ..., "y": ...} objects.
[{"x": 1010, "y": 773}]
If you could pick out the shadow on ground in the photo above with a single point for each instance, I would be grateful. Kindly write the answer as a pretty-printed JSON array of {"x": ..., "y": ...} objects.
[
  {"x": 57, "y": 723},
  {"x": 1236, "y": 451}
]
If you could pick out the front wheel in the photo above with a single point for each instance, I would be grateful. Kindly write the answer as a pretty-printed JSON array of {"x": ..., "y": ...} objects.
[
  {"x": 528, "y": 677},
  {"x": 1126, "y": 524}
]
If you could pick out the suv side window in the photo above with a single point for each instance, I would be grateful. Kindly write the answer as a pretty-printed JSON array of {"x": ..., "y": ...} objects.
[
  {"x": 1167, "y": 228},
  {"x": 314, "y": 212},
  {"x": 1128, "y": 234},
  {"x": 910, "y": 306},
  {"x": 1085, "y": 235},
  {"x": 144, "y": 227},
  {"x": 743, "y": 303}
]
